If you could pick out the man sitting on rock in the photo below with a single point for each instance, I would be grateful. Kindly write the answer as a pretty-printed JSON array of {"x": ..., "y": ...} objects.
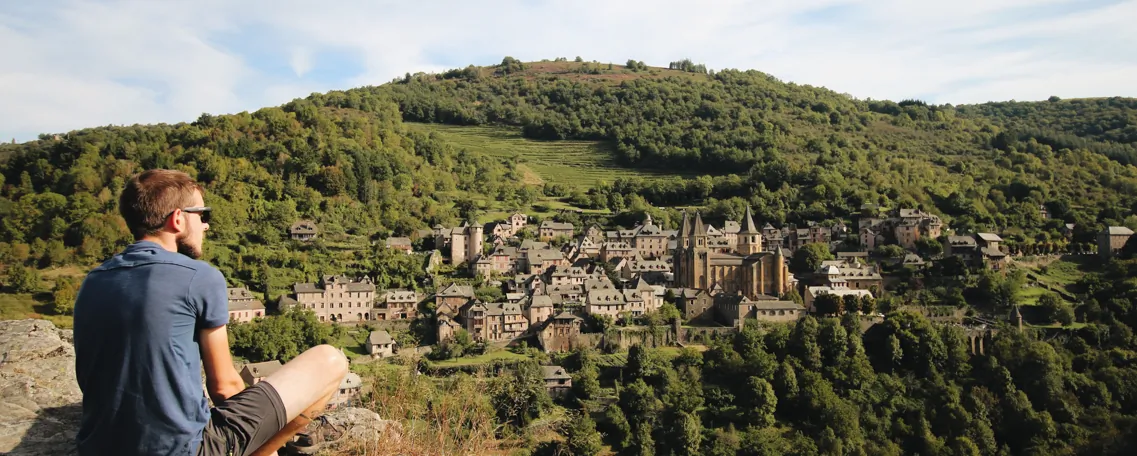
[{"x": 148, "y": 320}]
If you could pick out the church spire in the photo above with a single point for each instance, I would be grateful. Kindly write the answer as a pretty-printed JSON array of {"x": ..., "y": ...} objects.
[
  {"x": 700, "y": 230},
  {"x": 749, "y": 227},
  {"x": 685, "y": 228}
]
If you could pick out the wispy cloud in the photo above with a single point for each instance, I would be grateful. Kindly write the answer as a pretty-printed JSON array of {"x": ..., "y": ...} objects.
[{"x": 73, "y": 64}]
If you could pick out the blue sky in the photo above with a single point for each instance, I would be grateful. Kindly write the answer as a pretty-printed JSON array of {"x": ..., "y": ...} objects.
[{"x": 67, "y": 64}]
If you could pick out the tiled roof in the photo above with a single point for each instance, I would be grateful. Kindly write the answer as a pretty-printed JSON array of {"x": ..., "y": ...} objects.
[
  {"x": 555, "y": 373},
  {"x": 989, "y": 237},
  {"x": 380, "y": 337},
  {"x": 243, "y": 305},
  {"x": 549, "y": 224},
  {"x": 398, "y": 242},
  {"x": 263, "y": 369},
  {"x": 303, "y": 227}
]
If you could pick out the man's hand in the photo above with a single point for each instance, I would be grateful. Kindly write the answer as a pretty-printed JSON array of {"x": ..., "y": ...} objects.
[{"x": 221, "y": 379}]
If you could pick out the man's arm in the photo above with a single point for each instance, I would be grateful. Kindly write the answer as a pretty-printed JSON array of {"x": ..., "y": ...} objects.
[{"x": 221, "y": 379}]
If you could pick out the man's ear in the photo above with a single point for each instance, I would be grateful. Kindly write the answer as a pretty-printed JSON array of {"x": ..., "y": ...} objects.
[{"x": 177, "y": 221}]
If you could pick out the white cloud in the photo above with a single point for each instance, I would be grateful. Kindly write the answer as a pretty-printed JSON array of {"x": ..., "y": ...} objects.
[
  {"x": 72, "y": 65},
  {"x": 301, "y": 61}
]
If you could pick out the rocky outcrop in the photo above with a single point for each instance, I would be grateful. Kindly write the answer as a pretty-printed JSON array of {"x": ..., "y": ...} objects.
[
  {"x": 39, "y": 398},
  {"x": 347, "y": 430}
]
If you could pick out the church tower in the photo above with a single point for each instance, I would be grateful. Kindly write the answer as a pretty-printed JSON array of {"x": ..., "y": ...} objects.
[
  {"x": 474, "y": 241},
  {"x": 699, "y": 254},
  {"x": 749, "y": 239},
  {"x": 699, "y": 233},
  {"x": 779, "y": 273},
  {"x": 684, "y": 232}
]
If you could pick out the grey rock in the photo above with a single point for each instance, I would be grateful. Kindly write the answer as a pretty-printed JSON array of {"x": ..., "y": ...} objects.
[
  {"x": 39, "y": 397},
  {"x": 346, "y": 429}
]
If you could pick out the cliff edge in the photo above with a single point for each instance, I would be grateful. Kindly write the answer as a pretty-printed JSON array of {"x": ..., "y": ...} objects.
[{"x": 39, "y": 398}]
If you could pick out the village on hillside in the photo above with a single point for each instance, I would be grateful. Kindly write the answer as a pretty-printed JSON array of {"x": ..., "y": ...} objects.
[{"x": 563, "y": 287}]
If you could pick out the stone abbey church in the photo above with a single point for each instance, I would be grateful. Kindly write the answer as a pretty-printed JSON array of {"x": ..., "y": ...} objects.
[{"x": 709, "y": 262}]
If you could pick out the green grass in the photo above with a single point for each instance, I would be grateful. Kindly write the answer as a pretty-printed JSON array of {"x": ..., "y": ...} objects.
[
  {"x": 1056, "y": 277},
  {"x": 352, "y": 342},
  {"x": 1075, "y": 325},
  {"x": 25, "y": 305},
  {"x": 1030, "y": 295},
  {"x": 484, "y": 358},
  {"x": 580, "y": 164}
]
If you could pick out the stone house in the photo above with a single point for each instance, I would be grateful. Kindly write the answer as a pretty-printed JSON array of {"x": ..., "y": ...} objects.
[
  {"x": 733, "y": 310},
  {"x": 243, "y": 306},
  {"x": 539, "y": 309},
  {"x": 500, "y": 230},
  {"x": 653, "y": 271},
  {"x": 850, "y": 272},
  {"x": 811, "y": 294},
  {"x": 517, "y": 222},
  {"x": 550, "y": 230},
  {"x": 696, "y": 304},
  {"x": 980, "y": 249},
  {"x": 557, "y": 381},
  {"x": 347, "y": 392},
  {"x": 649, "y": 240},
  {"x": 400, "y": 243},
  {"x": 771, "y": 238},
  {"x": 482, "y": 268},
  {"x": 505, "y": 322},
  {"x": 560, "y": 333},
  {"x": 1112, "y": 239},
  {"x": 253, "y": 373},
  {"x": 303, "y": 230},
  {"x": 446, "y": 327},
  {"x": 616, "y": 249},
  {"x": 503, "y": 260},
  {"x": 337, "y": 298},
  {"x": 605, "y": 301},
  {"x": 914, "y": 224},
  {"x": 380, "y": 344},
  {"x": 993, "y": 256},
  {"x": 537, "y": 261},
  {"x": 397, "y": 304},
  {"x": 452, "y": 297},
  {"x": 587, "y": 246},
  {"x": 870, "y": 237}
]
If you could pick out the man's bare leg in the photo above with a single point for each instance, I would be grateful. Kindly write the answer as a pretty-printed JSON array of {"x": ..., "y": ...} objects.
[
  {"x": 305, "y": 385},
  {"x": 293, "y": 427}
]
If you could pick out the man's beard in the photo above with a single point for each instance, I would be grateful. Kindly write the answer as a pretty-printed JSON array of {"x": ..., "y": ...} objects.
[{"x": 186, "y": 249}]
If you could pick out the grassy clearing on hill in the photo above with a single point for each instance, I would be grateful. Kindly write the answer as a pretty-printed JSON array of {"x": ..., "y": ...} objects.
[
  {"x": 1055, "y": 276},
  {"x": 579, "y": 164},
  {"x": 484, "y": 358}
]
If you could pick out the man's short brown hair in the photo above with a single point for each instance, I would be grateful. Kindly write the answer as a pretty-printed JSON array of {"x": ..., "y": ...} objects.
[{"x": 151, "y": 196}]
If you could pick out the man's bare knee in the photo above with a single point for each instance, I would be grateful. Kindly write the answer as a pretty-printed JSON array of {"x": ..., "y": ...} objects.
[
  {"x": 314, "y": 374},
  {"x": 334, "y": 359}
]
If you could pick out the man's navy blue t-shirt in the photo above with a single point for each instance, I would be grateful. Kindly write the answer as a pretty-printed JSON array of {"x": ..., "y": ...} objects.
[{"x": 138, "y": 363}]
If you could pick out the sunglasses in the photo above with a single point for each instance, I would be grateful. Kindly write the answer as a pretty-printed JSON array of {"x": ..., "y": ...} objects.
[{"x": 205, "y": 212}]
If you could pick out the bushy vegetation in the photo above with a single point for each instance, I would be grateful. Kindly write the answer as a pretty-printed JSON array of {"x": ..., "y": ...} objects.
[
  {"x": 345, "y": 161},
  {"x": 799, "y": 153}
]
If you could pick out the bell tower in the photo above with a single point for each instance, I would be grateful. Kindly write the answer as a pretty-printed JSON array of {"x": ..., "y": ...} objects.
[{"x": 749, "y": 239}]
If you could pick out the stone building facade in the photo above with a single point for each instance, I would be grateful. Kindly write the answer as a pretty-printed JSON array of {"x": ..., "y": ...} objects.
[{"x": 337, "y": 298}]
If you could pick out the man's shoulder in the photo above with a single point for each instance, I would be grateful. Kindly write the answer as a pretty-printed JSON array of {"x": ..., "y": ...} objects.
[{"x": 160, "y": 258}]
